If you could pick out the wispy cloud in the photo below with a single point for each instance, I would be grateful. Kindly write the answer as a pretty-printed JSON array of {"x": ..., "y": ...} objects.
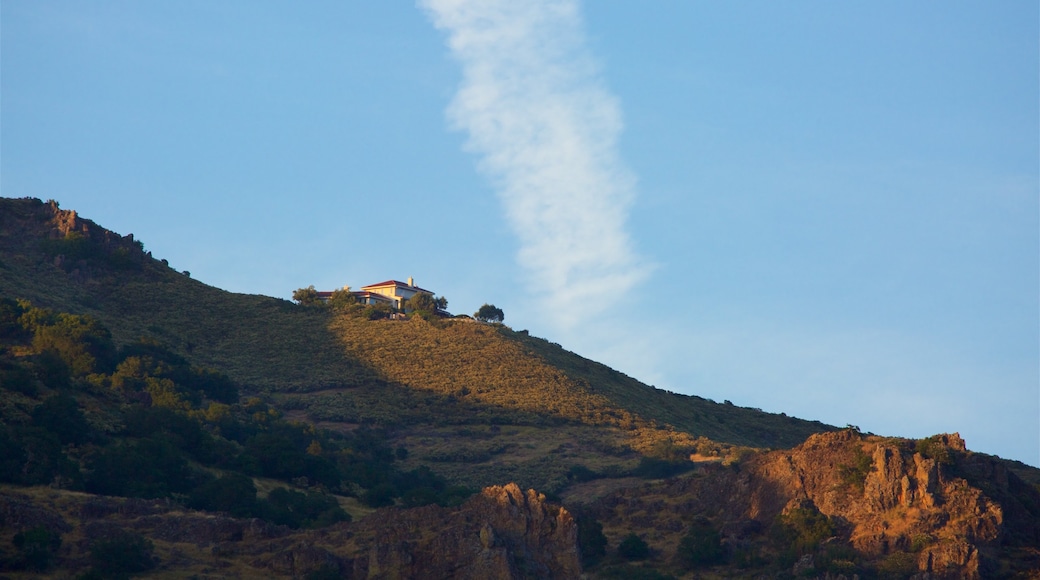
[{"x": 545, "y": 129}]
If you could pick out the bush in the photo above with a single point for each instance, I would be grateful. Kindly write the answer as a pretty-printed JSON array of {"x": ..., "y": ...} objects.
[
  {"x": 633, "y": 548},
  {"x": 801, "y": 531},
  {"x": 233, "y": 493},
  {"x": 30, "y": 455},
  {"x": 591, "y": 541},
  {"x": 81, "y": 342},
  {"x": 149, "y": 468},
  {"x": 700, "y": 547},
  {"x": 36, "y": 548},
  {"x": 855, "y": 475},
  {"x": 60, "y": 415},
  {"x": 489, "y": 313},
  {"x": 306, "y": 296},
  {"x": 897, "y": 566},
  {"x": 122, "y": 556},
  {"x": 18, "y": 378},
  {"x": 655, "y": 468},
  {"x": 933, "y": 448},
  {"x": 302, "y": 510}
]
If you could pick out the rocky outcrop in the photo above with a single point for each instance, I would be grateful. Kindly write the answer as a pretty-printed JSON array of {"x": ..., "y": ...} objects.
[
  {"x": 952, "y": 511},
  {"x": 502, "y": 532},
  {"x": 78, "y": 246}
]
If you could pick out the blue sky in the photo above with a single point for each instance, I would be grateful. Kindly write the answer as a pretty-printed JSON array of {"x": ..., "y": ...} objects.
[{"x": 825, "y": 209}]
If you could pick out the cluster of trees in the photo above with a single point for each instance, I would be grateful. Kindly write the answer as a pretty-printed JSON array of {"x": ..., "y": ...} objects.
[
  {"x": 799, "y": 532},
  {"x": 420, "y": 304},
  {"x": 344, "y": 301},
  {"x": 157, "y": 418},
  {"x": 489, "y": 313}
]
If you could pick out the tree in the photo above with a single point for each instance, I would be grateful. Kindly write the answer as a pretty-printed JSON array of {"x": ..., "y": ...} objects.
[
  {"x": 633, "y": 548},
  {"x": 421, "y": 302},
  {"x": 701, "y": 546},
  {"x": 489, "y": 313},
  {"x": 306, "y": 296},
  {"x": 342, "y": 299}
]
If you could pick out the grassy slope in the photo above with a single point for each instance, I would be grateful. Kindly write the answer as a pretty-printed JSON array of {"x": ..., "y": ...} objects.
[{"x": 425, "y": 379}]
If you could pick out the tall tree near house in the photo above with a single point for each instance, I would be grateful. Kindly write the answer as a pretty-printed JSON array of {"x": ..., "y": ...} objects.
[
  {"x": 489, "y": 313},
  {"x": 421, "y": 302},
  {"x": 342, "y": 299},
  {"x": 306, "y": 296}
]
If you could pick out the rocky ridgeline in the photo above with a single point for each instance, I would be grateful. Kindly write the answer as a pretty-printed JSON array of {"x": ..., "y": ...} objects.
[
  {"x": 905, "y": 498},
  {"x": 501, "y": 533},
  {"x": 77, "y": 245},
  {"x": 957, "y": 513}
]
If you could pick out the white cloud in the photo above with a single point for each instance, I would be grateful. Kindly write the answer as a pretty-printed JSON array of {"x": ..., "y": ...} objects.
[{"x": 545, "y": 129}]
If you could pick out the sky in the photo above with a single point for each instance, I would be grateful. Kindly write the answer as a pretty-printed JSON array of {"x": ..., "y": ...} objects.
[{"x": 823, "y": 209}]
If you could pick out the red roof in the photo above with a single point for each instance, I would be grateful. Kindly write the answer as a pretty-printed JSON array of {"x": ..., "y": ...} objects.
[{"x": 396, "y": 283}]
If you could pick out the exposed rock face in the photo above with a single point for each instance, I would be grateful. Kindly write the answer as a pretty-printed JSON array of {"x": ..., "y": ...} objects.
[
  {"x": 95, "y": 248},
  {"x": 500, "y": 533},
  {"x": 948, "y": 511}
]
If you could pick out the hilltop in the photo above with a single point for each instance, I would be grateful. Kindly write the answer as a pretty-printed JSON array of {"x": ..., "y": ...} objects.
[
  {"x": 501, "y": 396},
  {"x": 215, "y": 434}
]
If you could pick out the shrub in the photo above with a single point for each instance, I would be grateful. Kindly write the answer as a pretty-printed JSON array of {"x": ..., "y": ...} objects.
[
  {"x": 655, "y": 468},
  {"x": 802, "y": 530},
  {"x": 489, "y": 313},
  {"x": 633, "y": 548},
  {"x": 149, "y": 468},
  {"x": 233, "y": 493},
  {"x": 855, "y": 475},
  {"x": 933, "y": 448},
  {"x": 81, "y": 342},
  {"x": 18, "y": 378},
  {"x": 897, "y": 566},
  {"x": 122, "y": 556},
  {"x": 306, "y": 296},
  {"x": 60, "y": 415},
  {"x": 31, "y": 455},
  {"x": 302, "y": 510},
  {"x": 37, "y": 547},
  {"x": 700, "y": 547},
  {"x": 591, "y": 541}
]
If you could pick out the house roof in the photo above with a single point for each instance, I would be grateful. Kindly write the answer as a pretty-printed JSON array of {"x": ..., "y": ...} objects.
[{"x": 396, "y": 283}]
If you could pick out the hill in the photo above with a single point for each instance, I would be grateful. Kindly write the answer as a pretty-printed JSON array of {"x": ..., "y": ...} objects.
[
  {"x": 153, "y": 421},
  {"x": 430, "y": 381}
]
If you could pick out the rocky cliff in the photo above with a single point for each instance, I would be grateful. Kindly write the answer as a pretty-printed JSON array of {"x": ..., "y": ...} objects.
[
  {"x": 933, "y": 507},
  {"x": 501, "y": 533}
]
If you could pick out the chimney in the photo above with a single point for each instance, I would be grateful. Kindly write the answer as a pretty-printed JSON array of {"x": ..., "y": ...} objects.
[{"x": 410, "y": 281}]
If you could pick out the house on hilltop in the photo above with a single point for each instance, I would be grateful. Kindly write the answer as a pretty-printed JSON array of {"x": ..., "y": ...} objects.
[
  {"x": 397, "y": 292},
  {"x": 393, "y": 293}
]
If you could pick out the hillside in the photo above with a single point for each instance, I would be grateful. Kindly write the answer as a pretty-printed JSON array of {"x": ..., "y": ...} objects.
[
  {"x": 424, "y": 379},
  {"x": 164, "y": 427}
]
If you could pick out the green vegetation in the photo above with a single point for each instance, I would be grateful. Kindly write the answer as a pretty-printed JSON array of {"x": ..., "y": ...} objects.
[
  {"x": 632, "y": 547},
  {"x": 802, "y": 530},
  {"x": 591, "y": 541},
  {"x": 158, "y": 427},
  {"x": 36, "y": 549},
  {"x": 933, "y": 448},
  {"x": 306, "y": 296},
  {"x": 489, "y": 313},
  {"x": 855, "y": 476},
  {"x": 122, "y": 556},
  {"x": 701, "y": 546}
]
